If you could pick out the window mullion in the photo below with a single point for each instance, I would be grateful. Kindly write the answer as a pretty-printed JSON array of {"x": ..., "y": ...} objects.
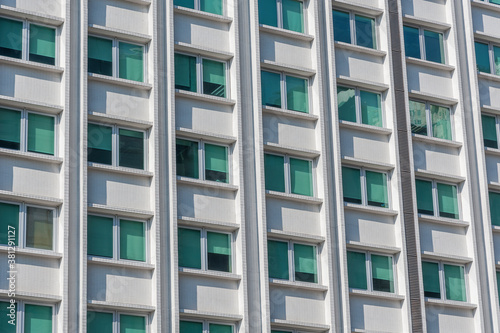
[
  {"x": 352, "y": 25},
  {"x": 25, "y": 40},
  {"x": 357, "y": 105},
  {"x": 497, "y": 128},
  {"x": 115, "y": 58},
  {"x": 364, "y": 199},
  {"x": 22, "y": 223},
  {"x": 369, "y": 280},
  {"x": 442, "y": 280},
  {"x": 286, "y": 165},
  {"x": 291, "y": 266},
  {"x": 435, "y": 198},
  {"x": 201, "y": 158},
  {"x": 116, "y": 236},
  {"x": 491, "y": 57},
  {"x": 422, "y": 43},
  {"x": 283, "y": 91},
  {"x": 23, "y": 145},
  {"x": 199, "y": 74},
  {"x": 115, "y": 143},
  {"x": 280, "y": 13},
  {"x": 204, "y": 249},
  {"x": 428, "y": 119}
]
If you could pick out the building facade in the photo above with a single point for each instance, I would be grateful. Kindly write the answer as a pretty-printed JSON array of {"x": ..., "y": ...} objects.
[{"x": 252, "y": 166}]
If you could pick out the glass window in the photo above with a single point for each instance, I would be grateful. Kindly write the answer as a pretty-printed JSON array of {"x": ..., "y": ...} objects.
[
  {"x": 185, "y": 3},
  {"x": 425, "y": 203},
  {"x": 297, "y": 93},
  {"x": 365, "y": 31},
  {"x": 216, "y": 163},
  {"x": 371, "y": 108},
  {"x": 275, "y": 172},
  {"x": 214, "y": 78},
  {"x": 341, "y": 26},
  {"x": 295, "y": 89},
  {"x": 490, "y": 138},
  {"x": 277, "y": 254},
  {"x": 9, "y": 222},
  {"x": 356, "y": 270},
  {"x": 376, "y": 189},
  {"x": 382, "y": 276},
  {"x": 430, "y": 274},
  {"x": 301, "y": 177},
  {"x": 211, "y": 6},
  {"x": 351, "y": 185},
  {"x": 290, "y": 17},
  {"x": 100, "y": 53},
  {"x": 41, "y": 134},
  {"x": 187, "y": 158},
  {"x": 219, "y": 328},
  {"x": 42, "y": 44},
  {"x": 5, "y": 326},
  {"x": 185, "y": 72},
  {"x": 99, "y": 322},
  {"x": 482, "y": 57},
  {"x": 439, "y": 116},
  {"x": 298, "y": 179},
  {"x": 39, "y": 228},
  {"x": 434, "y": 46},
  {"x": 100, "y": 236},
  {"x": 132, "y": 240},
  {"x": 268, "y": 12},
  {"x": 497, "y": 2},
  {"x": 100, "y": 144},
  {"x": 418, "y": 118},
  {"x": 11, "y": 38},
  {"x": 305, "y": 263},
  {"x": 219, "y": 251},
  {"x": 10, "y": 129},
  {"x": 454, "y": 282},
  {"x": 447, "y": 198},
  {"x": 189, "y": 248},
  {"x": 190, "y": 327},
  {"x": 346, "y": 103},
  {"x": 359, "y": 106},
  {"x": 131, "y": 149},
  {"x": 132, "y": 324},
  {"x": 412, "y": 42},
  {"x": 441, "y": 124},
  {"x": 271, "y": 89},
  {"x": 37, "y": 319},
  {"x": 131, "y": 61},
  {"x": 494, "y": 208}
]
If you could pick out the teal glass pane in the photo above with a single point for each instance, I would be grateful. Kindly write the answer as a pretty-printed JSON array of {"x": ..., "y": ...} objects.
[
  {"x": 219, "y": 251},
  {"x": 412, "y": 42},
  {"x": 211, "y": 6},
  {"x": 376, "y": 189},
  {"x": 10, "y": 129},
  {"x": 131, "y": 149},
  {"x": 132, "y": 240},
  {"x": 430, "y": 275},
  {"x": 100, "y": 56},
  {"x": 99, "y": 149},
  {"x": 365, "y": 32},
  {"x": 382, "y": 275},
  {"x": 132, "y": 324},
  {"x": 425, "y": 203},
  {"x": 100, "y": 236},
  {"x": 497, "y": 2},
  {"x": 293, "y": 15},
  {"x": 37, "y": 319},
  {"x": 218, "y": 328},
  {"x": 341, "y": 27},
  {"x": 434, "y": 49},
  {"x": 214, "y": 78},
  {"x": 42, "y": 44},
  {"x": 277, "y": 256},
  {"x": 99, "y": 322},
  {"x": 489, "y": 131},
  {"x": 41, "y": 134},
  {"x": 301, "y": 179},
  {"x": 11, "y": 38},
  {"x": 216, "y": 163},
  {"x": 351, "y": 185},
  {"x": 498, "y": 284},
  {"x": 455, "y": 283},
  {"x": 297, "y": 91},
  {"x": 268, "y": 12},
  {"x": 356, "y": 270},
  {"x": 185, "y": 72},
  {"x": 441, "y": 123},
  {"x": 9, "y": 222},
  {"x": 275, "y": 172},
  {"x": 39, "y": 228},
  {"x": 494, "y": 208},
  {"x": 418, "y": 118},
  {"x": 448, "y": 203},
  {"x": 131, "y": 62},
  {"x": 496, "y": 59},
  {"x": 189, "y": 248},
  {"x": 187, "y": 158},
  {"x": 482, "y": 57},
  {"x": 346, "y": 100},
  {"x": 271, "y": 89},
  {"x": 184, "y": 3},
  {"x": 306, "y": 269},
  {"x": 190, "y": 327},
  {"x": 371, "y": 108},
  {"x": 8, "y": 311}
]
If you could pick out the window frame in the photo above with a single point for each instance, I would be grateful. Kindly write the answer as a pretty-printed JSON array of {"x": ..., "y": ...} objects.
[
  {"x": 204, "y": 248},
  {"x": 491, "y": 55},
  {"x": 115, "y": 145},
  {"x": 115, "y": 57},
  {"x": 25, "y": 37},
  {"x": 428, "y": 118},
  {"x": 21, "y": 313},
  {"x": 357, "y": 104},
  {"x": 421, "y": 43},
  {"x": 291, "y": 260},
  {"x": 283, "y": 91},
  {"x": 199, "y": 73},
  {"x": 435, "y": 198},
  {"x": 369, "y": 272},
  {"x": 116, "y": 317},
  {"x": 206, "y": 323},
  {"x": 442, "y": 279},
  {"x": 352, "y": 27},
  {"x": 279, "y": 18},
  {"x": 364, "y": 190},
  {"x": 116, "y": 237}
]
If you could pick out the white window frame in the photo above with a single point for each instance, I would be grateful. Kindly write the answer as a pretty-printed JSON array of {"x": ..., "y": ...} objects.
[
  {"x": 20, "y": 313},
  {"x": 352, "y": 26},
  {"x": 491, "y": 55},
  {"x": 204, "y": 247},
  {"x": 116, "y": 317},
  {"x": 435, "y": 198},
  {"x": 369, "y": 272},
  {"x": 116, "y": 237},
  {"x": 357, "y": 104},
  {"x": 364, "y": 191},
  {"x": 421, "y": 42},
  {"x": 206, "y": 323},
  {"x": 442, "y": 280},
  {"x": 279, "y": 19},
  {"x": 283, "y": 91},
  {"x": 428, "y": 117},
  {"x": 115, "y": 144}
]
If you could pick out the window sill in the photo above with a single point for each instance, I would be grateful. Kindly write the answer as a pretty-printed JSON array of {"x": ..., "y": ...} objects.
[
  {"x": 286, "y": 33},
  {"x": 289, "y": 113},
  {"x": 368, "y": 164},
  {"x": 446, "y": 257},
  {"x": 301, "y": 237},
  {"x": 376, "y": 294},
  {"x": 33, "y": 297},
  {"x": 188, "y": 313},
  {"x": 112, "y": 306},
  {"x": 133, "y": 213},
  {"x": 495, "y": 229},
  {"x": 425, "y": 23},
  {"x": 294, "y": 197},
  {"x": 122, "y": 170},
  {"x": 204, "y": 97},
  {"x": 35, "y": 17},
  {"x": 494, "y": 186},
  {"x": 365, "y": 128},
  {"x": 31, "y": 65},
  {"x": 297, "y": 285},
  {"x": 118, "y": 33},
  {"x": 31, "y": 156},
  {"x": 485, "y": 5},
  {"x": 370, "y": 209},
  {"x": 282, "y": 67},
  {"x": 370, "y": 10},
  {"x": 205, "y": 51},
  {"x": 118, "y": 81},
  {"x": 491, "y": 109},
  {"x": 450, "y": 304},
  {"x": 202, "y": 14},
  {"x": 432, "y": 97},
  {"x": 204, "y": 223},
  {"x": 492, "y": 151},
  {"x": 430, "y": 64},
  {"x": 33, "y": 252},
  {"x": 362, "y": 83},
  {"x": 372, "y": 247},
  {"x": 436, "y": 141},
  {"x": 210, "y": 274},
  {"x": 32, "y": 199},
  {"x": 488, "y": 77},
  {"x": 139, "y": 2},
  {"x": 213, "y": 137},
  {"x": 299, "y": 152},
  {"x": 207, "y": 183},
  {"x": 119, "y": 120},
  {"x": 32, "y": 105},
  {"x": 360, "y": 49},
  {"x": 443, "y": 220},
  {"x": 439, "y": 176},
  {"x": 300, "y": 325},
  {"x": 120, "y": 263}
]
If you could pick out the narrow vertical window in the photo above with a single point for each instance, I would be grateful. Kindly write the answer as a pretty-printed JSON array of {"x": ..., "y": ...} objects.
[
  {"x": 418, "y": 118},
  {"x": 100, "y": 56},
  {"x": 351, "y": 185},
  {"x": 132, "y": 324},
  {"x": 11, "y": 38},
  {"x": 297, "y": 93},
  {"x": 434, "y": 49},
  {"x": 371, "y": 108},
  {"x": 430, "y": 275},
  {"x": 293, "y": 15},
  {"x": 99, "y": 322},
  {"x": 219, "y": 328},
  {"x": 448, "y": 202},
  {"x": 5, "y": 326},
  {"x": 425, "y": 203},
  {"x": 190, "y": 327},
  {"x": 356, "y": 270},
  {"x": 189, "y": 248},
  {"x": 365, "y": 32},
  {"x": 382, "y": 276},
  {"x": 131, "y": 62},
  {"x": 376, "y": 189},
  {"x": 441, "y": 124},
  {"x": 305, "y": 263},
  {"x": 185, "y": 72},
  {"x": 100, "y": 144},
  {"x": 42, "y": 44},
  {"x": 219, "y": 251},
  {"x": 37, "y": 319},
  {"x": 346, "y": 100},
  {"x": 494, "y": 208},
  {"x": 277, "y": 253},
  {"x": 100, "y": 236},
  {"x": 39, "y": 228},
  {"x": 454, "y": 282},
  {"x": 10, "y": 129},
  {"x": 41, "y": 134},
  {"x": 482, "y": 57},
  {"x": 211, "y": 6},
  {"x": 131, "y": 149},
  {"x": 341, "y": 26},
  {"x": 132, "y": 240},
  {"x": 268, "y": 12},
  {"x": 412, "y": 42},
  {"x": 214, "y": 78},
  {"x": 9, "y": 221},
  {"x": 489, "y": 131},
  {"x": 301, "y": 177},
  {"x": 184, "y": 3},
  {"x": 275, "y": 172},
  {"x": 271, "y": 89},
  {"x": 187, "y": 158},
  {"x": 216, "y": 163}
]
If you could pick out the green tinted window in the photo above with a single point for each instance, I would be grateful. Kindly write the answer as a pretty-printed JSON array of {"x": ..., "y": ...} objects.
[
  {"x": 214, "y": 78},
  {"x": 441, "y": 124},
  {"x": 371, "y": 108},
  {"x": 187, "y": 158},
  {"x": 100, "y": 144},
  {"x": 494, "y": 208},
  {"x": 418, "y": 118},
  {"x": 301, "y": 177},
  {"x": 455, "y": 283},
  {"x": 216, "y": 163},
  {"x": 382, "y": 275},
  {"x": 489, "y": 131},
  {"x": 297, "y": 93},
  {"x": 132, "y": 240},
  {"x": 131, "y": 63},
  {"x": 356, "y": 270},
  {"x": 425, "y": 203},
  {"x": 39, "y": 228},
  {"x": 219, "y": 251},
  {"x": 100, "y": 236},
  {"x": 275, "y": 172},
  {"x": 131, "y": 149},
  {"x": 482, "y": 57},
  {"x": 412, "y": 42},
  {"x": 189, "y": 248},
  {"x": 185, "y": 72},
  {"x": 6, "y": 309},
  {"x": 42, "y": 44},
  {"x": 132, "y": 324},
  {"x": 10, "y": 129},
  {"x": 11, "y": 38},
  {"x": 430, "y": 274},
  {"x": 434, "y": 49},
  {"x": 100, "y": 53},
  {"x": 41, "y": 134},
  {"x": 184, "y": 3},
  {"x": 190, "y": 327},
  {"x": 218, "y": 328},
  {"x": 346, "y": 100},
  {"x": 376, "y": 189},
  {"x": 37, "y": 319},
  {"x": 305, "y": 263},
  {"x": 351, "y": 185},
  {"x": 277, "y": 254},
  {"x": 341, "y": 27},
  {"x": 271, "y": 89},
  {"x": 293, "y": 16},
  {"x": 365, "y": 32},
  {"x": 99, "y": 322},
  {"x": 211, "y": 6},
  {"x": 268, "y": 12},
  {"x": 9, "y": 222},
  {"x": 448, "y": 202}
]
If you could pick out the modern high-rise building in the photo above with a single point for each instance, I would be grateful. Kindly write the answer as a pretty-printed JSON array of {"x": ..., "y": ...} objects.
[{"x": 249, "y": 166}]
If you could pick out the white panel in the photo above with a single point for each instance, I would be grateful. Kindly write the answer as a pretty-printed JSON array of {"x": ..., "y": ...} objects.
[
  {"x": 359, "y": 65},
  {"x": 297, "y": 305},
  {"x": 47, "y": 7},
  {"x": 119, "y": 15},
  {"x": 206, "y": 203},
  {"x": 292, "y": 216},
  {"x": 443, "y": 239},
  {"x": 489, "y": 93},
  {"x": 285, "y": 50},
  {"x": 486, "y": 21},
  {"x": 429, "y": 80},
  {"x": 442, "y": 319},
  {"x": 202, "y": 116},
  {"x": 368, "y": 314},
  {"x": 364, "y": 145},
  {"x": 289, "y": 132},
  {"x": 434, "y": 10},
  {"x": 370, "y": 228},
  {"x": 201, "y": 32},
  {"x": 432, "y": 157}
]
